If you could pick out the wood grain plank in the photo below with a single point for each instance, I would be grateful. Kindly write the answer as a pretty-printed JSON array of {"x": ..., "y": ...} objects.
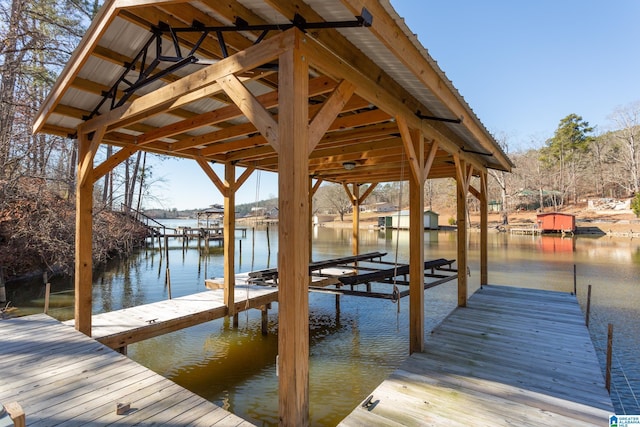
[
  {"x": 511, "y": 357},
  {"x": 64, "y": 378}
]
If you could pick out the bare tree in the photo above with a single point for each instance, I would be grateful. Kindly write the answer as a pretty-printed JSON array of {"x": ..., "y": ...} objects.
[
  {"x": 332, "y": 198},
  {"x": 38, "y": 37},
  {"x": 627, "y": 124}
]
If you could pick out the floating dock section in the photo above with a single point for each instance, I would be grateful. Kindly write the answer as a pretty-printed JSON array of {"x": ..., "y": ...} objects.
[
  {"x": 61, "y": 377},
  {"x": 117, "y": 329},
  {"x": 512, "y": 357}
]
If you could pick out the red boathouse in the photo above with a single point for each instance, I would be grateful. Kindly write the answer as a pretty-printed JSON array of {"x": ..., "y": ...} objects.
[{"x": 555, "y": 222}]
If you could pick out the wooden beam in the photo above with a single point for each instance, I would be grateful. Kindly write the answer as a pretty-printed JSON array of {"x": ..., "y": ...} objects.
[
  {"x": 355, "y": 220},
  {"x": 367, "y": 192},
  {"x": 315, "y": 186},
  {"x": 134, "y": 4},
  {"x": 370, "y": 126},
  {"x": 229, "y": 223},
  {"x": 408, "y": 143},
  {"x": 169, "y": 97},
  {"x": 232, "y": 133},
  {"x": 221, "y": 186},
  {"x": 432, "y": 156},
  {"x": 252, "y": 108},
  {"x": 243, "y": 178},
  {"x": 347, "y": 190},
  {"x": 378, "y": 89},
  {"x": 328, "y": 112},
  {"x": 86, "y": 160},
  {"x": 293, "y": 253},
  {"x": 461, "y": 222},
  {"x": 311, "y": 193},
  {"x": 83, "y": 277},
  {"x": 109, "y": 164},
  {"x": 317, "y": 86},
  {"x": 416, "y": 248},
  {"x": 484, "y": 231}
]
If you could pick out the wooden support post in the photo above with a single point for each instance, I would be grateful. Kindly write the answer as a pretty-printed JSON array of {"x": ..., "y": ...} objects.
[
  {"x": 229, "y": 222},
  {"x": 293, "y": 252},
  {"x": 588, "y": 313},
  {"x": 416, "y": 247},
  {"x": 236, "y": 319},
  {"x": 16, "y": 413},
  {"x": 313, "y": 189},
  {"x": 484, "y": 231},
  {"x": 47, "y": 293},
  {"x": 268, "y": 241},
  {"x": 265, "y": 319},
  {"x": 311, "y": 193},
  {"x": 355, "y": 236},
  {"x": 84, "y": 230},
  {"x": 575, "y": 281},
  {"x": 462, "y": 186},
  {"x": 3, "y": 291},
  {"x": 168, "y": 269},
  {"x": 609, "y": 356}
]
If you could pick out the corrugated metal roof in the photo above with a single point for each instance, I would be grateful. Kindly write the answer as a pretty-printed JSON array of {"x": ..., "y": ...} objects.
[{"x": 103, "y": 55}]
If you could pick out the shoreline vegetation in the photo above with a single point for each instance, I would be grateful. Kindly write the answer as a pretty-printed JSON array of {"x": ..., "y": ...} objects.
[
  {"x": 37, "y": 228},
  {"x": 611, "y": 222},
  {"x": 37, "y": 231}
]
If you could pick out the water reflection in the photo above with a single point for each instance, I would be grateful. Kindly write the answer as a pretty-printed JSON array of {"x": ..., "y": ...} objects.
[{"x": 354, "y": 349}]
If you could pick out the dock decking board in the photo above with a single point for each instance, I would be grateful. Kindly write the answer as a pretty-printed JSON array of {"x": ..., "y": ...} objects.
[
  {"x": 511, "y": 357},
  {"x": 61, "y": 377},
  {"x": 120, "y": 328}
]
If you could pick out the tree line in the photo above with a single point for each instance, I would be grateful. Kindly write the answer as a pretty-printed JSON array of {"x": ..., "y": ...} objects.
[{"x": 575, "y": 164}]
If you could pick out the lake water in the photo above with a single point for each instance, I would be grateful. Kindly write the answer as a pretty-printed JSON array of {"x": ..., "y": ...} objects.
[{"x": 353, "y": 351}]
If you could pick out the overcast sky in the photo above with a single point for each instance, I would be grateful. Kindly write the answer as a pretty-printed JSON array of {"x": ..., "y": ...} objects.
[{"x": 522, "y": 66}]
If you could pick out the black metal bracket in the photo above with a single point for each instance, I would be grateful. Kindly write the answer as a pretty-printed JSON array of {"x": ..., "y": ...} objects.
[
  {"x": 138, "y": 74},
  {"x": 480, "y": 153},
  {"x": 439, "y": 119}
]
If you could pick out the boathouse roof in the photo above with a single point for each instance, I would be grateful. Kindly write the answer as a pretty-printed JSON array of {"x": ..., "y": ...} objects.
[{"x": 137, "y": 53}]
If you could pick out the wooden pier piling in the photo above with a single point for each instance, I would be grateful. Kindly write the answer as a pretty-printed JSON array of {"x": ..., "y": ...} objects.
[
  {"x": 3, "y": 291},
  {"x": 609, "y": 356}
]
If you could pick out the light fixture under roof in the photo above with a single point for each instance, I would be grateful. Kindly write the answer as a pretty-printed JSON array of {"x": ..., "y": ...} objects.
[{"x": 349, "y": 165}]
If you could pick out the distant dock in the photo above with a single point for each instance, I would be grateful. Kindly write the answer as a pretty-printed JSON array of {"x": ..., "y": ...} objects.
[
  {"x": 511, "y": 357},
  {"x": 532, "y": 231}
]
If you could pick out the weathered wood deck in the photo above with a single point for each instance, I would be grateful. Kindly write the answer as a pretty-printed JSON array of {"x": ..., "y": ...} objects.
[
  {"x": 61, "y": 377},
  {"x": 117, "y": 329},
  {"x": 511, "y": 357}
]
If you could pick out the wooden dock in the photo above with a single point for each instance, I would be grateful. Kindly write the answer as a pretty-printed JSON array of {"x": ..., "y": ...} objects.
[
  {"x": 511, "y": 357},
  {"x": 61, "y": 377},
  {"x": 534, "y": 231},
  {"x": 117, "y": 329}
]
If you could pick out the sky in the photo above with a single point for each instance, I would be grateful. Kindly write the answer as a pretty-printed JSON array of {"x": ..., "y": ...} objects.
[{"x": 521, "y": 66}]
